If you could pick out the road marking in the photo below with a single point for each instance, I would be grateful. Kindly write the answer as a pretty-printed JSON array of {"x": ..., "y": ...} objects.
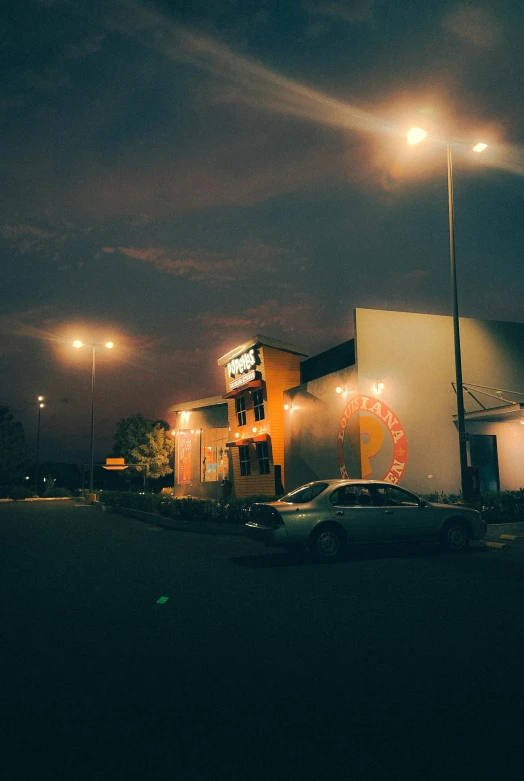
[
  {"x": 162, "y": 600},
  {"x": 494, "y": 544},
  {"x": 508, "y": 537}
]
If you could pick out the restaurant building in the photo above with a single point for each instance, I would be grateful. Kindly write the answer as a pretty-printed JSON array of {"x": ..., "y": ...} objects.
[
  {"x": 387, "y": 411},
  {"x": 379, "y": 406}
]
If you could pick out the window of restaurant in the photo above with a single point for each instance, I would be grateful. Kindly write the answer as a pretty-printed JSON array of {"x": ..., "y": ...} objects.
[
  {"x": 258, "y": 401},
  {"x": 263, "y": 458},
  {"x": 245, "y": 462},
  {"x": 214, "y": 458},
  {"x": 240, "y": 408}
]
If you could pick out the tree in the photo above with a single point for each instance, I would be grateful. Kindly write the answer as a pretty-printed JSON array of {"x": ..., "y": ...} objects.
[
  {"x": 13, "y": 449},
  {"x": 152, "y": 456},
  {"x": 145, "y": 444}
]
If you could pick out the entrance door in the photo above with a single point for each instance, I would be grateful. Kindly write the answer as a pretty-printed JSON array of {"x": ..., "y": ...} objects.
[{"x": 483, "y": 454}]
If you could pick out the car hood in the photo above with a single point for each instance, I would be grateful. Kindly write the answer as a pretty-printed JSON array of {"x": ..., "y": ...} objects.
[{"x": 454, "y": 507}]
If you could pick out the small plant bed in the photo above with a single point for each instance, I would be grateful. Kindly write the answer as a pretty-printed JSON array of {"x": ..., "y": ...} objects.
[{"x": 184, "y": 509}]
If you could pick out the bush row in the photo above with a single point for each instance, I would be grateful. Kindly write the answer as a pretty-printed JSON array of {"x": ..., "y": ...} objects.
[
  {"x": 184, "y": 509},
  {"x": 503, "y": 507}
]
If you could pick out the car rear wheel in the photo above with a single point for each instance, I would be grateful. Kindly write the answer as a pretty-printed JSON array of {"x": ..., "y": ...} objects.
[
  {"x": 455, "y": 536},
  {"x": 327, "y": 542}
]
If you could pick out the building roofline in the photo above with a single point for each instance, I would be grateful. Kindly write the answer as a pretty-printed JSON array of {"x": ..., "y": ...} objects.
[
  {"x": 212, "y": 401},
  {"x": 266, "y": 341}
]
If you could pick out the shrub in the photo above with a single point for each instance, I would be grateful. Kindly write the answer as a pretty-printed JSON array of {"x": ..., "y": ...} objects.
[
  {"x": 56, "y": 492},
  {"x": 18, "y": 492},
  {"x": 184, "y": 508},
  {"x": 503, "y": 507},
  {"x": 440, "y": 497}
]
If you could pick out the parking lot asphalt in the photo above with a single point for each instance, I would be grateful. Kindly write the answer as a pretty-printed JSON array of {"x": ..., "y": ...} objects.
[{"x": 131, "y": 651}]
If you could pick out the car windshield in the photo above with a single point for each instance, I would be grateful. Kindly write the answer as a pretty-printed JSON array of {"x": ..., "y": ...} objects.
[{"x": 305, "y": 493}]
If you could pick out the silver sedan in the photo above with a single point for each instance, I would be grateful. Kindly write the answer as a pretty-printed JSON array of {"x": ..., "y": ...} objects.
[{"x": 326, "y": 515}]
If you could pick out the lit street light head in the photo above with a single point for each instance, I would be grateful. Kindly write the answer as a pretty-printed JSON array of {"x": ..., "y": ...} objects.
[
  {"x": 40, "y": 398},
  {"x": 109, "y": 345},
  {"x": 77, "y": 343},
  {"x": 480, "y": 147},
  {"x": 416, "y": 135}
]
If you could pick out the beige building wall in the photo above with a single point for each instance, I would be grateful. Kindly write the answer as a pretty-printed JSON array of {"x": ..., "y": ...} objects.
[{"x": 413, "y": 355}]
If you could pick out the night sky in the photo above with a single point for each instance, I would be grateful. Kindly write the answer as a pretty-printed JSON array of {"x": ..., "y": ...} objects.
[{"x": 181, "y": 175}]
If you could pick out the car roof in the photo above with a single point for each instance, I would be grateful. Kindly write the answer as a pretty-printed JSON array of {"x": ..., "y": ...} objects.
[{"x": 345, "y": 481}]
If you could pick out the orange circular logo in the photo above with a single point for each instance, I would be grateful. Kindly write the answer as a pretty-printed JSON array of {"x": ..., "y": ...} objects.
[{"x": 382, "y": 443}]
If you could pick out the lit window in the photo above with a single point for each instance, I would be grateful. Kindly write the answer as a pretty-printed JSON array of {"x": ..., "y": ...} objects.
[
  {"x": 263, "y": 458},
  {"x": 240, "y": 409},
  {"x": 258, "y": 402},
  {"x": 213, "y": 455},
  {"x": 245, "y": 462}
]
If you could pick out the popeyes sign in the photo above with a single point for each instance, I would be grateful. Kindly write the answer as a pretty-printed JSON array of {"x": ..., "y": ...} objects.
[
  {"x": 243, "y": 363},
  {"x": 382, "y": 440}
]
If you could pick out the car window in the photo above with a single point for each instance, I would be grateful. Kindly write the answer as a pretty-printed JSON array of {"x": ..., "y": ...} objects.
[
  {"x": 351, "y": 496},
  {"x": 304, "y": 494},
  {"x": 392, "y": 496},
  {"x": 344, "y": 496}
]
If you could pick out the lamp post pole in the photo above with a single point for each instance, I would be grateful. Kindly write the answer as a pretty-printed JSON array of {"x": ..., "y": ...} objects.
[
  {"x": 415, "y": 136},
  {"x": 92, "y": 457},
  {"x": 109, "y": 345},
  {"x": 463, "y": 450},
  {"x": 40, "y": 407}
]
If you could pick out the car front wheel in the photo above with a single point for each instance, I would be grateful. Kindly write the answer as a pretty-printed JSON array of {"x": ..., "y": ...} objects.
[
  {"x": 455, "y": 536},
  {"x": 327, "y": 543}
]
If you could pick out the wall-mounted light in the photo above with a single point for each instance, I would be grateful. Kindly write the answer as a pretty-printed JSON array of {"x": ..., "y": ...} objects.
[
  {"x": 192, "y": 430},
  {"x": 339, "y": 389},
  {"x": 254, "y": 429},
  {"x": 378, "y": 387},
  {"x": 237, "y": 435},
  {"x": 286, "y": 406}
]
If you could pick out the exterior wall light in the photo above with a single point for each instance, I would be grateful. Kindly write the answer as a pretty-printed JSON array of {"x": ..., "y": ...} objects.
[
  {"x": 237, "y": 435},
  {"x": 338, "y": 389},
  {"x": 254, "y": 429},
  {"x": 378, "y": 387},
  {"x": 286, "y": 406}
]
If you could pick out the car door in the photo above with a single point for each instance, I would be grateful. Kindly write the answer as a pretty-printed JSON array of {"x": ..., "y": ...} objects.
[
  {"x": 352, "y": 506},
  {"x": 404, "y": 516}
]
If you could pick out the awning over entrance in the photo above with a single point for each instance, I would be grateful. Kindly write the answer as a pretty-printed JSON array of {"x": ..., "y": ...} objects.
[
  {"x": 496, "y": 414},
  {"x": 248, "y": 440},
  {"x": 249, "y": 386}
]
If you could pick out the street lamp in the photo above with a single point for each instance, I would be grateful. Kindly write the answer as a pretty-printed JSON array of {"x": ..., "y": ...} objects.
[
  {"x": 41, "y": 406},
  {"x": 415, "y": 136},
  {"x": 77, "y": 343}
]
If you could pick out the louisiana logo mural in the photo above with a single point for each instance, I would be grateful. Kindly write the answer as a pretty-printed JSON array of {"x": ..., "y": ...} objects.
[{"x": 369, "y": 425}]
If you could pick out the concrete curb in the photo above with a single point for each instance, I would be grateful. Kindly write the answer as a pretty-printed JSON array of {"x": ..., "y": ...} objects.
[
  {"x": 41, "y": 499},
  {"x": 232, "y": 529}
]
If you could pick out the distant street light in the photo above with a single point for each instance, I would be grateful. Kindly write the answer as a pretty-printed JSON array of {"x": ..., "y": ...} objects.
[
  {"x": 415, "y": 136},
  {"x": 41, "y": 405},
  {"x": 77, "y": 343}
]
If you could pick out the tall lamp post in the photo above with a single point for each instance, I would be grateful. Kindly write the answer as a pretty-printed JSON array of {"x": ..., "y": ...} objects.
[
  {"x": 415, "y": 136},
  {"x": 41, "y": 405},
  {"x": 77, "y": 343}
]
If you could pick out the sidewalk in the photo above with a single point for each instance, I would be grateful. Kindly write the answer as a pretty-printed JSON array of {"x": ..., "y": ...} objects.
[{"x": 496, "y": 529}]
